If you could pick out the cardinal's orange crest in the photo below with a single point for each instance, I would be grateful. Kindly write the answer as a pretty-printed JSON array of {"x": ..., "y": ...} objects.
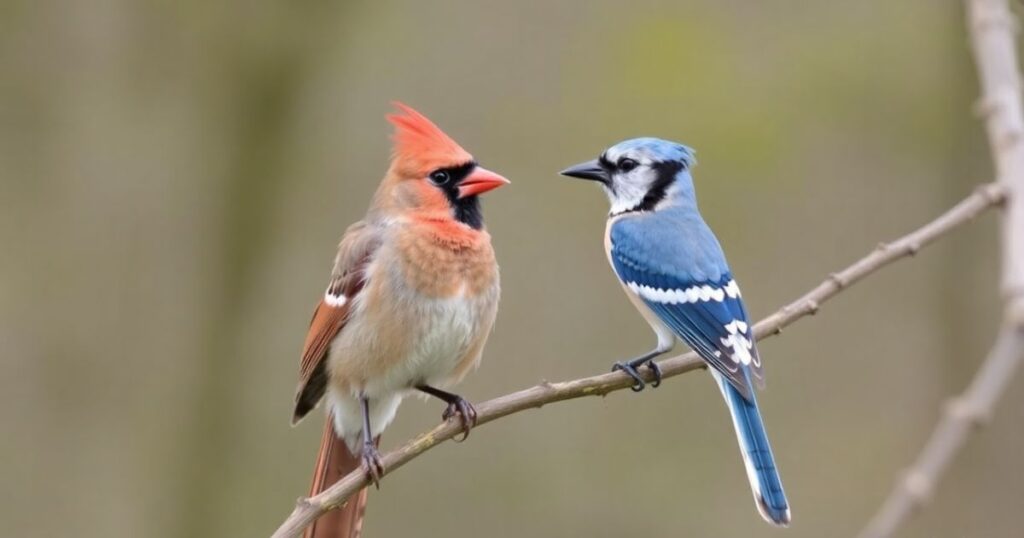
[{"x": 420, "y": 146}]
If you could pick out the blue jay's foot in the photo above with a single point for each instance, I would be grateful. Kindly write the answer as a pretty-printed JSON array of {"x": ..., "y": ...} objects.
[
  {"x": 457, "y": 407},
  {"x": 656, "y": 370},
  {"x": 630, "y": 367},
  {"x": 371, "y": 463}
]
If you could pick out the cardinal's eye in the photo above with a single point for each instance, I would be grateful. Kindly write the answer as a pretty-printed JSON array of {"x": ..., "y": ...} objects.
[
  {"x": 439, "y": 177},
  {"x": 627, "y": 164}
]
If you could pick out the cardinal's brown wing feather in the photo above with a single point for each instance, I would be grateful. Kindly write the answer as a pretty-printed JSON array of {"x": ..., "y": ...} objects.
[
  {"x": 327, "y": 321},
  {"x": 354, "y": 254}
]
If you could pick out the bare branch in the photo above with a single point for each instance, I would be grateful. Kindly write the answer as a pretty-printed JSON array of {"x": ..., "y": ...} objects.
[
  {"x": 308, "y": 509},
  {"x": 993, "y": 38},
  {"x": 961, "y": 417},
  {"x": 992, "y": 29}
]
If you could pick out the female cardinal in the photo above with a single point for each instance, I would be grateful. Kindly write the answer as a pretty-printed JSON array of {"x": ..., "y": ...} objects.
[{"x": 411, "y": 300}]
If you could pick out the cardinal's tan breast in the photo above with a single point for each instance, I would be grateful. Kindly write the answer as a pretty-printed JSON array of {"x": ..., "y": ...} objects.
[
  {"x": 425, "y": 313},
  {"x": 443, "y": 266}
]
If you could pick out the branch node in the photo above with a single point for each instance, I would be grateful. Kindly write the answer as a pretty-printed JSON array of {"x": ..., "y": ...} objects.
[
  {"x": 992, "y": 192},
  {"x": 838, "y": 280},
  {"x": 1013, "y": 312},
  {"x": 992, "y": 17},
  {"x": 1009, "y": 138},
  {"x": 964, "y": 410},
  {"x": 984, "y": 107},
  {"x": 999, "y": 100},
  {"x": 812, "y": 307},
  {"x": 919, "y": 487},
  {"x": 913, "y": 247}
]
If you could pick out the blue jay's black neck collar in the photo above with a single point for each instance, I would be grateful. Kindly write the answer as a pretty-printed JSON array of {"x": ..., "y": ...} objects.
[{"x": 665, "y": 174}]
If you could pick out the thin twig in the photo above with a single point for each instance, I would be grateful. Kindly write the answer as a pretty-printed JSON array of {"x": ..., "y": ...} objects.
[
  {"x": 992, "y": 29},
  {"x": 308, "y": 509}
]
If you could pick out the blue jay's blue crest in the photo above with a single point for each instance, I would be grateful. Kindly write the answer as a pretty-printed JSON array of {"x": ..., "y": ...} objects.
[
  {"x": 673, "y": 267},
  {"x": 655, "y": 149}
]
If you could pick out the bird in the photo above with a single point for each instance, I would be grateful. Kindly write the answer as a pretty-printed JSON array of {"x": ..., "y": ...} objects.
[
  {"x": 672, "y": 268},
  {"x": 411, "y": 300}
]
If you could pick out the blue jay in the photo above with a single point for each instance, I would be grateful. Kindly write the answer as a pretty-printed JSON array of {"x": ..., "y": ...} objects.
[{"x": 673, "y": 270}]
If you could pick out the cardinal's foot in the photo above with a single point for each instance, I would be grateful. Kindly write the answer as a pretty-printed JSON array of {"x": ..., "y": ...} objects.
[
  {"x": 461, "y": 408},
  {"x": 371, "y": 463}
]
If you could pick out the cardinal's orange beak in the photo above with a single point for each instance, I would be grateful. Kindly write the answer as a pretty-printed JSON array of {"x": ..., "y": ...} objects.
[{"x": 479, "y": 181}]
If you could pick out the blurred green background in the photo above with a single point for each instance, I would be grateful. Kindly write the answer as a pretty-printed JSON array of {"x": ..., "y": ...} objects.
[{"x": 174, "y": 177}]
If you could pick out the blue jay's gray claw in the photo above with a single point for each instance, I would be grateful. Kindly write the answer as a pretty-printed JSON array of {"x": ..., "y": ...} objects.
[
  {"x": 631, "y": 372},
  {"x": 657, "y": 373},
  {"x": 631, "y": 368}
]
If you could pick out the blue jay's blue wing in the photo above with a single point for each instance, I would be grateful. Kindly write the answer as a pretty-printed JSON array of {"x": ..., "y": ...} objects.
[{"x": 687, "y": 284}]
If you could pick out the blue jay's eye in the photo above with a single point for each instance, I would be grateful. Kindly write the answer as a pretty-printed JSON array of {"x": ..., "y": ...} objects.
[
  {"x": 439, "y": 177},
  {"x": 627, "y": 164}
]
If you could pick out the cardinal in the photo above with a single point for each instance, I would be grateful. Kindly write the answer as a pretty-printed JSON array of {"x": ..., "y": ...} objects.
[{"x": 408, "y": 308}]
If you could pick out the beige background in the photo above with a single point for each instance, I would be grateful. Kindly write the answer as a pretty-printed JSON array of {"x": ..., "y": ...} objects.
[{"x": 174, "y": 177}]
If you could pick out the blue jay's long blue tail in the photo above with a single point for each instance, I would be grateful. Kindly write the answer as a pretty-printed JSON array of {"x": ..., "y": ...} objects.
[{"x": 757, "y": 454}]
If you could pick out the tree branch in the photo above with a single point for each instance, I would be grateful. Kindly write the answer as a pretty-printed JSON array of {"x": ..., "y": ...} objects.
[
  {"x": 962, "y": 416},
  {"x": 992, "y": 30},
  {"x": 308, "y": 509}
]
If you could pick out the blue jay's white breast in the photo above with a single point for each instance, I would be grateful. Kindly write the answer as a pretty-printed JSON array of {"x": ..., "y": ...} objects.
[{"x": 666, "y": 338}]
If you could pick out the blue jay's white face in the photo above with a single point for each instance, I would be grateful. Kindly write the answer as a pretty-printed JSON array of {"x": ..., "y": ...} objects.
[
  {"x": 639, "y": 174},
  {"x": 632, "y": 176}
]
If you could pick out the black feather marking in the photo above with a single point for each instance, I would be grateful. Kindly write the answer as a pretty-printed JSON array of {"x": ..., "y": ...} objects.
[
  {"x": 311, "y": 393},
  {"x": 665, "y": 174},
  {"x": 466, "y": 210}
]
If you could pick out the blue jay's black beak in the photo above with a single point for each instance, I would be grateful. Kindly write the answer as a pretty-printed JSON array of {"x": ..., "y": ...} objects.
[{"x": 591, "y": 170}]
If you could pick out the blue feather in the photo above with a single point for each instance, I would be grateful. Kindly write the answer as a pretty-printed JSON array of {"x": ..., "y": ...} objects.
[
  {"x": 757, "y": 455},
  {"x": 659, "y": 149}
]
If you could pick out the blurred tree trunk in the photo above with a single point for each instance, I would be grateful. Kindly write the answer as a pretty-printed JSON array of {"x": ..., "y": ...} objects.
[{"x": 260, "y": 66}]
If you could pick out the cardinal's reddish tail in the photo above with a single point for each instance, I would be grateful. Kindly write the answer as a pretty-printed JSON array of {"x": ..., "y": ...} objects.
[{"x": 333, "y": 462}]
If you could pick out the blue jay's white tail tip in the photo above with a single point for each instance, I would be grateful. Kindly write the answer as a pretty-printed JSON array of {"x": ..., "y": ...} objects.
[
  {"x": 758, "y": 461},
  {"x": 779, "y": 518}
]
